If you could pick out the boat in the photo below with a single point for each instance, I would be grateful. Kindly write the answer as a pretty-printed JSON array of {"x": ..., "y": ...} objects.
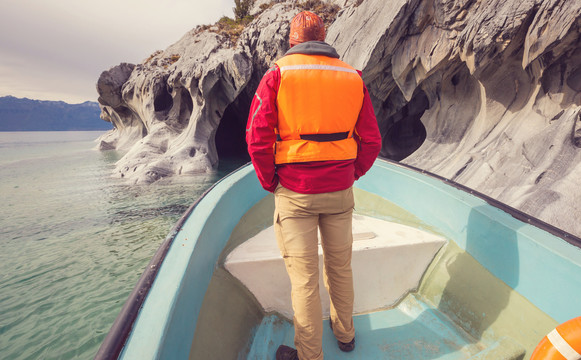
[{"x": 441, "y": 272}]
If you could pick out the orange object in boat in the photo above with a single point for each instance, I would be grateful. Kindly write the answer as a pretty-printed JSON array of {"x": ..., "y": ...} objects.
[{"x": 563, "y": 343}]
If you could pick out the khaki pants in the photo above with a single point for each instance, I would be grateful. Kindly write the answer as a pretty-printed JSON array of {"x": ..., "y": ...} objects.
[{"x": 296, "y": 220}]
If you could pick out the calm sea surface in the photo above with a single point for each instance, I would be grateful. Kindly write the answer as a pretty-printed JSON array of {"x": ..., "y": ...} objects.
[{"x": 74, "y": 241}]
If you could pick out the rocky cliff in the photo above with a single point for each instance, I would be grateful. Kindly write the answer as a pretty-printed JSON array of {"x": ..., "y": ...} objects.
[{"x": 483, "y": 92}]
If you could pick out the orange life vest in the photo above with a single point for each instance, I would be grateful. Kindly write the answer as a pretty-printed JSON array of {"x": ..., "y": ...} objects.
[{"x": 318, "y": 102}]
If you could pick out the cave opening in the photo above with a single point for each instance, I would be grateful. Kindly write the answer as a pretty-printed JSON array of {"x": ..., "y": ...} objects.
[
  {"x": 186, "y": 108},
  {"x": 163, "y": 101},
  {"x": 406, "y": 132},
  {"x": 231, "y": 134}
]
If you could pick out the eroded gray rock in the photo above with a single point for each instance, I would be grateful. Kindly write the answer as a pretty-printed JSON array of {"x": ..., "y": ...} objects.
[
  {"x": 496, "y": 87},
  {"x": 173, "y": 102},
  {"x": 167, "y": 110}
]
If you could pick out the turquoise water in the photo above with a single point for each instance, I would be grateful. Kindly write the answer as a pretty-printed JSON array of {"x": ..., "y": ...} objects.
[{"x": 74, "y": 240}]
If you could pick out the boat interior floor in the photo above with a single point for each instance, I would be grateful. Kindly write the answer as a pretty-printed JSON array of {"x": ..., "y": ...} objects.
[{"x": 411, "y": 330}]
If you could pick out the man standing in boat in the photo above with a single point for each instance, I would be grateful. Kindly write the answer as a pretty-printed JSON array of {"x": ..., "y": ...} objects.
[{"x": 311, "y": 133}]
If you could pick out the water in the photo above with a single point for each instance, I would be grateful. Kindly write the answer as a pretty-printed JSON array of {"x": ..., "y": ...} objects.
[{"x": 74, "y": 241}]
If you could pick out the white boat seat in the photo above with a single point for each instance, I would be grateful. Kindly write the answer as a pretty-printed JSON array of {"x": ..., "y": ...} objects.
[{"x": 388, "y": 262}]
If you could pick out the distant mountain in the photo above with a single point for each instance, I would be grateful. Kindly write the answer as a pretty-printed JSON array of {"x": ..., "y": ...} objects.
[{"x": 36, "y": 115}]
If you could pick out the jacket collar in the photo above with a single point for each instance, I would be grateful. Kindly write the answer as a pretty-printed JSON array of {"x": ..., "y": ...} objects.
[{"x": 314, "y": 48}]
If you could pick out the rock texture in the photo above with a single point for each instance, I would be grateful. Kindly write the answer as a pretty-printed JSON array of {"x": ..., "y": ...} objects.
[
  {"x": 484, "y": 92},
  {"x": 171, "y": 110}
]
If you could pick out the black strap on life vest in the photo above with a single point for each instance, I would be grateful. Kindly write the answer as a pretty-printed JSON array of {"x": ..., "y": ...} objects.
[
  {"x": 326, "y": 137},
  {"x": 321, "y": 137}
]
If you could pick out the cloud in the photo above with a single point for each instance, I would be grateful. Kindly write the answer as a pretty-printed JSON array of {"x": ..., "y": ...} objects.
[{"x": 56, "y": 49}]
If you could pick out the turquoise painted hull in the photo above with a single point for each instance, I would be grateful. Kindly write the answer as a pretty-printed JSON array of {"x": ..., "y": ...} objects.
[{"x": 538, "y": 262}]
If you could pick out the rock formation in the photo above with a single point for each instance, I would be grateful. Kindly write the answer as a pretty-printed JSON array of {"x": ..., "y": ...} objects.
[
  {"x": 484, "y": 92},
  {"x": 168, "y": 110}
]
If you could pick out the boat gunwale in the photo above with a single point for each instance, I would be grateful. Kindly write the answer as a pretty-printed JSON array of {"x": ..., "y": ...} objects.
[
  {"x": 120, "y": 331},
  {"x": 114, "y": 342},
  {"x": 514, "y": 212}
]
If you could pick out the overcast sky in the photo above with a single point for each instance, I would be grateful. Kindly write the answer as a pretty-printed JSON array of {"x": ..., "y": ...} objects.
[{"x": 56, "y": 49}]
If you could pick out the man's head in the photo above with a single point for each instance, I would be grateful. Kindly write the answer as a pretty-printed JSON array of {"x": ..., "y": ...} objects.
[{"x": 306, "y": 26}]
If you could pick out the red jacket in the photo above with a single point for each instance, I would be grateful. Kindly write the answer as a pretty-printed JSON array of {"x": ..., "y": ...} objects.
[{"x": 309, "y": 177}]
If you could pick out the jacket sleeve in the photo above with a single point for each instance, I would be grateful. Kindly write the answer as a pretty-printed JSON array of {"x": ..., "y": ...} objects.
[
  {"x": 368, "y": 137},
  {"x": 260, "y": 129}
]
